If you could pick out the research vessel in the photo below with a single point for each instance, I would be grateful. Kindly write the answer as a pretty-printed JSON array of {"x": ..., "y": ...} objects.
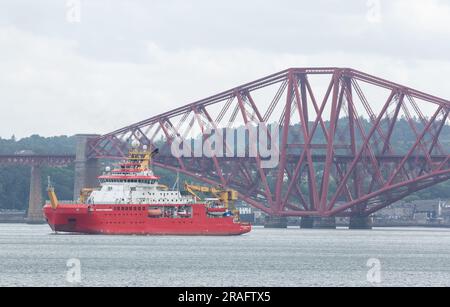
[{"x": 130, "y": 201}]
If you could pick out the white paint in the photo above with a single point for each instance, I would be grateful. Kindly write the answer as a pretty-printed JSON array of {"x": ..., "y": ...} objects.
[{"x": 127, "y": 192}]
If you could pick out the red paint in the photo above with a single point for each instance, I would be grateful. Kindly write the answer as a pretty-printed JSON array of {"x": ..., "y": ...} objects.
[
  {"x": 125, "y": 177},
  {"x": 109, "y": 219}
]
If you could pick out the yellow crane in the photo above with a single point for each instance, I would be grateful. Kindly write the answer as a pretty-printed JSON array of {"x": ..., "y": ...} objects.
[
  {"x": 84, "y": 194},
  {"x": 143, "y": 157},
  {"x": 226, "y": 196},
  {"x": 52, "y": 195}
]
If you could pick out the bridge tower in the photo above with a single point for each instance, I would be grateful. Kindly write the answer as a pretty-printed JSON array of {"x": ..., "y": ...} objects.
[
  {"x": 35, "y": 203},
  {"x": 36, "y": 162},
  {"x": 86, "y": 168}
]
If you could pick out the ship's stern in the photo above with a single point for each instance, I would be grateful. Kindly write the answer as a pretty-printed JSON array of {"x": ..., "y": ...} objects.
[{"x": 66, "y": 218}]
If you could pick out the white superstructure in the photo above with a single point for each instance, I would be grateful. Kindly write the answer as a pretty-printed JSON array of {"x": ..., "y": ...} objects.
[{"x": 134, "y": 183}]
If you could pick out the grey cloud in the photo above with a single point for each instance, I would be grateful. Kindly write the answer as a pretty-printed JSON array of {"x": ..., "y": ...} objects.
[
  {"x": 128, "y": 60},
  {"x": 118, "y": 30}
]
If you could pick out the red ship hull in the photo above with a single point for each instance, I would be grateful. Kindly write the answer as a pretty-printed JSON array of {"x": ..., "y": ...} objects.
[{"x": 135, "y": 220}]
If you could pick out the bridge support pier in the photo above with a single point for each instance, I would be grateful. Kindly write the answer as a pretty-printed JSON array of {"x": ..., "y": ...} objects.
[
  {"x": 35, "y": 215},
  {"x": 360, "y": 222},
  {"x": 275, "y": 222},
  {"x": 309, "y": 222},
  {"x": 325, "y": 223},
  {"x": 86, "y": 169}
]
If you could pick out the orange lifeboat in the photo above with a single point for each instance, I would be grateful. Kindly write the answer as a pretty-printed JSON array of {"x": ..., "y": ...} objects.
[{"x": 154, "y": 212}]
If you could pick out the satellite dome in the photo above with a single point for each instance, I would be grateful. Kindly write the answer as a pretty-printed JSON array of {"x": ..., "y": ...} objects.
[{"x": 135, "y": 144}]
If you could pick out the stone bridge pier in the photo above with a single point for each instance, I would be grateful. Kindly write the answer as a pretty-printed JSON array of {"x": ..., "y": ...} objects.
[
  {"x": 35, "y": 203},
  {"x": 86, "y": 169},
  {"x": 86, "y": 172}
]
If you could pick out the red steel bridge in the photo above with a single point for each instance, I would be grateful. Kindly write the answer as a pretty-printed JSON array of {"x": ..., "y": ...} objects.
[
  {"x": 37, "y": 160},
  {"x": 339, "y": 142}
]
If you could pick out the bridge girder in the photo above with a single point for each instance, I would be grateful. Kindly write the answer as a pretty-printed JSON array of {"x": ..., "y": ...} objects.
[{"x": 338, "y": 153}]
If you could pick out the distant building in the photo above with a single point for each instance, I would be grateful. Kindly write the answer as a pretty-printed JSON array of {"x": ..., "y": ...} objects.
[
  {"x": 419, "y": 212},
  {"x": 246, "y": 213},
  {"x": 24, "y": 152}
]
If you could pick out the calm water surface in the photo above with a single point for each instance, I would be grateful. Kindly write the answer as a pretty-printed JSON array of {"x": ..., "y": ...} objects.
[{"x": 33, "y": 256}]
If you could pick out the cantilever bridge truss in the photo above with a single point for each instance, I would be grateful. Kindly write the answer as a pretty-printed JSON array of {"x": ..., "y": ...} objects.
[{"x": 343, "y": 141}]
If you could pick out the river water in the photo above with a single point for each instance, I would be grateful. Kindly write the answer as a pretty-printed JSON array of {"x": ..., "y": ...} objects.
[{"x": 33, "y": 256}]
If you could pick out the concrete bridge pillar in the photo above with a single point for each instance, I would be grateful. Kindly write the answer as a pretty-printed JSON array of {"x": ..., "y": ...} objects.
[
  {"x": 310, "y": 222},
  {"x": 360, "y": 222},
  {"x": 325, "y": 223},
  {"x": 35, "y": 215},
  {"x": 307, "y": 222},
  {"x": 275, "y": 222},
  {"x": 86, "y": 169}
]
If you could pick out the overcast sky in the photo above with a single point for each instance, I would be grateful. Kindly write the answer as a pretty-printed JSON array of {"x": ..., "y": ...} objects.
[{"x": 119, "y": 62}]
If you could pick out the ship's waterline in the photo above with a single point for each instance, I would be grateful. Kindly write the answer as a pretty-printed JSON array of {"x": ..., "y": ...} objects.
[{"x": 33, "y": 256}]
